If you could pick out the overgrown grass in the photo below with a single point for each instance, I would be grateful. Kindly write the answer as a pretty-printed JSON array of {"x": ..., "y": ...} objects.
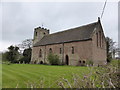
[{"x": 46, "y": 76}]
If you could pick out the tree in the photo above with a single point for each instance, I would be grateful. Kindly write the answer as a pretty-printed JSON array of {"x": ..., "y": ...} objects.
[
  {"x": 4, "y": 56},
  {"x": 26, "y": 56},
  {"x": 26, "y": 50},
  {"x": 25, "y": 44},
  {"x": 11, "y": 48},
  {"x": 110, "y": 48},
  {"x": 12, "y": 54}
]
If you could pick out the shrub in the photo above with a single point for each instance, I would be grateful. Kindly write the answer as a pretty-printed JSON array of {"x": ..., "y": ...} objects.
[
  {"x": 98, "y": 77},
  {"x": 24, "y": 60},
  {"x": 109, "y": 57},
  {"x": 90, "y": 62},
  {"x": 53, "y": 59},
  {"x": 6, "y": 62}
]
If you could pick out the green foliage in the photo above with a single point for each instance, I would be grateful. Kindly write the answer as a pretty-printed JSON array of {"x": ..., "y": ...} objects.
[
  {"x": 110, "y": 48},
  {"x": 4, "y": 56},
  {"x": 98, "y": 77},
  {"x": 11, "y": 48},
  {"x": 108, "y": 75},
  {"x": 27, "y": 52},
  {"x": 24, "y": 60},
  {"x": 53, "y": 59},
  {"x": 6, "y": 62},
  {"x": 12, "y": 55},
  {"x": 89, "y": 62},
  {"x": 26, "y": 56},
  {"x": 109, "y": 57}
]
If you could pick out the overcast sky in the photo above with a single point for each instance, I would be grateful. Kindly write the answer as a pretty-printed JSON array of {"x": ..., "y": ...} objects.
[{"x": 20, "y": 18}]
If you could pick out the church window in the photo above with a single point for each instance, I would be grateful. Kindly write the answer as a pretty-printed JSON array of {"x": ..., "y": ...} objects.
[
  {"x": 100, "y": 37},
  {"x": 72, "y": 50},
  {"x": 41, "y": 62},
  {"x": 40, "y": 53},
  {"x": 44, "y": 33},
  {"x": 50, "y": 50},
  {"x": 80, "y": 61},
  {"x": 60, "y": 51},
  {"x": 97, "y": 38},
  {"x": 102, "y": 41},
  {"x": 83, "y": 61}
]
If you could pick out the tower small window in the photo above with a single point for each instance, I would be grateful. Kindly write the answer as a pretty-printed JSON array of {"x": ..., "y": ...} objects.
[
  {"x": 50, "y": 50},
  {"x": 72, "y": 50},
  {"x": 60, "y": 51},
  {"x": 36, "y": 33},
  {"x": 44, "y": 33},
  {"x": 40, "y": 53}
]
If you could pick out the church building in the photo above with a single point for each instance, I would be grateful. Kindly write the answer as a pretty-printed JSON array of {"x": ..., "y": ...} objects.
[{"x": 75, "y": 46}]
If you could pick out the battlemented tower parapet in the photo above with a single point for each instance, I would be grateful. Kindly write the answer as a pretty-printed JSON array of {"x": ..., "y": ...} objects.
[{"x": 39, "y": 33}]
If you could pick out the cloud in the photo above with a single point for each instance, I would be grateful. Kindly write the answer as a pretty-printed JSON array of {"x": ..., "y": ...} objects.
[{"x": 20, "y": 18}]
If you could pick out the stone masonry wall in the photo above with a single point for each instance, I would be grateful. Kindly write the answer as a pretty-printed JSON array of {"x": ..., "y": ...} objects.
[
  {"x": 82, "y": 51},
  {"x": 99, "y": 51}
]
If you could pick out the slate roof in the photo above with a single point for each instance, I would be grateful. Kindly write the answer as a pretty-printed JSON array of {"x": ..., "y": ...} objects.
[{"x": 75, "y": 34}]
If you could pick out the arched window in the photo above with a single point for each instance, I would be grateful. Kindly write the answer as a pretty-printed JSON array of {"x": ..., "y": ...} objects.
[
  {"x": 35, "y": 62},
  {"x": 60, "y": 51},
  {"x": 41, "y": 62},
  {"x": 83, "y": 61},
  {"x": 97, "y": 39},
  {"x": 100, "y": 38},
  {"x": 44, "y": 33},
  {"x": 72, "y": 50},
  {"x": 40, "y": 53},
  {"x": 79, "y": 61},
  {"x": 50, "y": 50}
]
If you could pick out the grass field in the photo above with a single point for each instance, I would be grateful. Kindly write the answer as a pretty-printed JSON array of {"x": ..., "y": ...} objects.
[
  {"x": 0, "y": 75},
  {"x": 17, "y": 75},
  {"x": 47, "y": 76}
]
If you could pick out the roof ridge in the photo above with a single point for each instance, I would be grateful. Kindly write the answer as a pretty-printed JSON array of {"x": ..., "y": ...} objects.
[{"x": 71, "y": 29}]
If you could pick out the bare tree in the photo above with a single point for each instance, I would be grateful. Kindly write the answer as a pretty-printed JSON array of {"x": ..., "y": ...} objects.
[{"x": 25, "y": 44}]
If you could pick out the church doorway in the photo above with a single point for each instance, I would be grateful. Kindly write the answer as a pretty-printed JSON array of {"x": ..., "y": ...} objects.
[
  {"x": 67, "y": 60},
  {"x": 41, "y": 62}
]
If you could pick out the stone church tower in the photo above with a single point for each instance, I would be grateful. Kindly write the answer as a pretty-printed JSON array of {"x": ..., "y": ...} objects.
[{"x": 39, "y": 33}]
